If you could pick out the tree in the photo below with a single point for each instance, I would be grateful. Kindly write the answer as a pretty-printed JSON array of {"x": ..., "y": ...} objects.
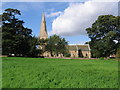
[
  {"x": 16, "y": 39},
  {"x": 103, "y": 32},
  {"x": 56, "y": 45},
  {"x": 34, "y": 50}
]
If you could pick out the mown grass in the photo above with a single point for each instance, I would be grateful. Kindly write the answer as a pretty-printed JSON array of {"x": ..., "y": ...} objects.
[{"x": 58, "y": 73}]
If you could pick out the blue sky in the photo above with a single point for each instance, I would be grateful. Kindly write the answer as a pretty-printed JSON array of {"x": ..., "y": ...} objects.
[
  {"x": 32, "y": 11},
  {"x": 56, "y": 11},
  {"x": 31, "y": 15}
]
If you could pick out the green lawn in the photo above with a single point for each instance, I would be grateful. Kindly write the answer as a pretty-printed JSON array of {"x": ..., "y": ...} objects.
[{"x": 58, "y": 73}]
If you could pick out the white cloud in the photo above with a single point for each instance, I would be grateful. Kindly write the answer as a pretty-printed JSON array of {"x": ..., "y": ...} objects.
[
  {"x": 105, "y": 0},
  {"x": 49, "y": 33},
  {"x": 79, "y": 16},
  {"x": 56, "y": 0},
  {"x": 42, "y": 0},
  {"x": 54, "y": 14}
]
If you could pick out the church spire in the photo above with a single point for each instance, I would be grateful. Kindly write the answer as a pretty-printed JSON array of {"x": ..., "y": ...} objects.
[{"x": 43, "y": 30}]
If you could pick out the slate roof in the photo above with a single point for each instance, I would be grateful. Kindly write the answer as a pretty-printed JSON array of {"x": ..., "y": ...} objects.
[{"x": 77, "y": 47}]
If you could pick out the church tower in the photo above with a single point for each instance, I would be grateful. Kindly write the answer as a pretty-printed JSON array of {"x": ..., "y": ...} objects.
[{"x": 43, "y": 30}]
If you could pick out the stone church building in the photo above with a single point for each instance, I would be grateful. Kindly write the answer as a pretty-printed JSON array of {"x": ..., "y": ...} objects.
[{"x": 82, "y": 51}]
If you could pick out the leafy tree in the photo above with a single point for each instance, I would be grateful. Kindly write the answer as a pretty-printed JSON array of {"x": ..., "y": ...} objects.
[
  {"x": 34, "y": 50},
  {"x": 56, "y": 45},
  {"x": 42, "y": 41},
  {"x": 16, "y": 39},
  {"x": 103, "y": 32}
]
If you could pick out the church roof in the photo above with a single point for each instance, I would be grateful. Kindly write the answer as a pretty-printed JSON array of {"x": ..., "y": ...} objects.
[
  {"x": 79, "y": 47},
  {"x": 43, "y": 30}
]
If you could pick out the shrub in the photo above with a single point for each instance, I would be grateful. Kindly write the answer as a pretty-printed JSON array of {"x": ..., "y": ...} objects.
[
  {"x": 67, "y": 55},
  {"x": 102, "y": 58}
]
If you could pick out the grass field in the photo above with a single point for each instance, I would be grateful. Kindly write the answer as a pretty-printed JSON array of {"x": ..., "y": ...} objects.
[{"x": 58, "y": 73}]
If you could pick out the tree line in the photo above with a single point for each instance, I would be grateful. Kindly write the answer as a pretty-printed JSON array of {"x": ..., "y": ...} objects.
[{"x": 18, "y": 39}]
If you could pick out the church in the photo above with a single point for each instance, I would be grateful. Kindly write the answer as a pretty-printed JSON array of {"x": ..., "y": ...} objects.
[{"x": 75, "y": 51}]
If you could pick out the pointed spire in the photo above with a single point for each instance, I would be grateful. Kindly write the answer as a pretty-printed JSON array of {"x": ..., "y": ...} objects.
[
  {"x": 43, "y": 16},
  {"x": 43, "y": 30}
]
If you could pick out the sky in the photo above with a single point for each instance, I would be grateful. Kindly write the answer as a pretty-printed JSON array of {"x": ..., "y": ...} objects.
[{"x": 67, "y": 19}]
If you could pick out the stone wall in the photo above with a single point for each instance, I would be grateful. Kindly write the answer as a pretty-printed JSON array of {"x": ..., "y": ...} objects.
[{"x": 85, "y": 54}]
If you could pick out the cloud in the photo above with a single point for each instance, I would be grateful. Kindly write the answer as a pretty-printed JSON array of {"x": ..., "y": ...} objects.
[
  {"x": 50, "y": 10},
  {"x": 24, "y": 6},
  {"x": 54, "y": 14},
  {"x": 49, "y": 33},
  {"x": 105, "y": 0},
  {"x": 56, "y": 0},
  {"x": 79, "y": 16},
  {"x": 42, "y": 0}
]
